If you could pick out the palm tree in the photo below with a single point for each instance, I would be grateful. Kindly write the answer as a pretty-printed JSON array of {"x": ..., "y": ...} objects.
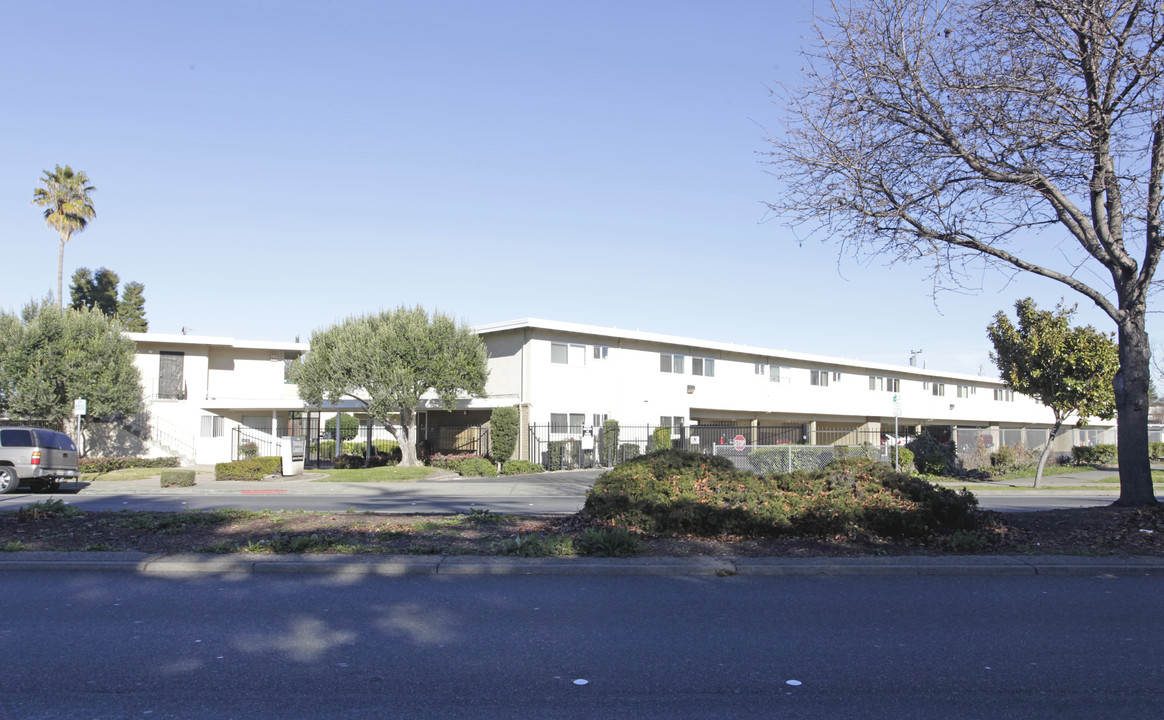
[{"x": 67, "y": 207}]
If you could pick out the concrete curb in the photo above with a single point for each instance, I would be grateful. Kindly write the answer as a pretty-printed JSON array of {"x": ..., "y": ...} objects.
[{"x": 382, "y": 566}]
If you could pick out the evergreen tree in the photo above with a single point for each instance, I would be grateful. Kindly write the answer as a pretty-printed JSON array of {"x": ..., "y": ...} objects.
[{"x": 131, "y": 309}]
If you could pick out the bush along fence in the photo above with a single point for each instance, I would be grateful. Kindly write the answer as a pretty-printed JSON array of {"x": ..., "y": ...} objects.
[{"x": 760, "y": 449}]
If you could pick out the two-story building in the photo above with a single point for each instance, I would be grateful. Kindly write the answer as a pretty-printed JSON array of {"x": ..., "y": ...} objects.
[
  {"x": 566, "y": 377},
  {"x": 199, "y": 390},
  {"x": 206, "y": 395}
]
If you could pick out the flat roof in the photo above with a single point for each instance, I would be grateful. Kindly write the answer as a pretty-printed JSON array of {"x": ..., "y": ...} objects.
[
  {"x": 178, "y": 339},
  {"x": 578, "y": 328}
]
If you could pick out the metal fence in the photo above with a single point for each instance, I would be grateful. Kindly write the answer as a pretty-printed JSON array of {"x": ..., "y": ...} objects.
[{"x": 775, "y": 448}]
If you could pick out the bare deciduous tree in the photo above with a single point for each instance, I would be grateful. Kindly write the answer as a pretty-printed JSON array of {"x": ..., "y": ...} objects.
[{"x": 1024, "y": 135}]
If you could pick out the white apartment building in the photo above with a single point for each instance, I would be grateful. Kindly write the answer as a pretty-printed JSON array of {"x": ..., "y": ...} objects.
[
  {"x": 568, "y": 376},
  {"x": 205, "y": 394},
  {"x": 199, "y": 390}
]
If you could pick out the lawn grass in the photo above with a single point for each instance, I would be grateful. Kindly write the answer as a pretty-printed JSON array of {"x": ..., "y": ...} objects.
[
  {"x": 128, "y": 474},
  {"x": 388, "y": 473}
]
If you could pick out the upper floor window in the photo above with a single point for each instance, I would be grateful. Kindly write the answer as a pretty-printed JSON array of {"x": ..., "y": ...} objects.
[
  {"x": 567, "y": 354},
  {"x": 671, "y": 363},
  {"x": 703, "y": 366},
  {"x": 965, "y": 391},
  {"x": 819, "y": 377},
  {"x": 566, "y": 422},
  {"x": 939, "y": 389},
  {"x": 171, "y": 377},
  {"x": 885, "y": 383},
  {"x": 775, "y": 372},
  {"x": 601, "y": 352},
  {"x": 759, "y": 368},
  {"x": 1004, "y": 394}
]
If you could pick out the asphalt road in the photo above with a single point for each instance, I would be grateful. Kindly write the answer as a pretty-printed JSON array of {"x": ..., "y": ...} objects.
[{"x": 122, "y": 645}]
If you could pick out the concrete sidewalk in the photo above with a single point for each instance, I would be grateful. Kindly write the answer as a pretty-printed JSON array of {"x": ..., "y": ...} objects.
[{"x": 363, "y": 566}]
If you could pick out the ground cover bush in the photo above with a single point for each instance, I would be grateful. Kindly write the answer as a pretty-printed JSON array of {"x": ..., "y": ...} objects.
[
  {"x": 520, "y": 467},
  {"x": 1093, "y": 454},
  {"x": 110, "y": 464},
  {"x": 678, "y": 492},
  {"x": 253, "y": 469},
  {"x": 177, "y": 478}
]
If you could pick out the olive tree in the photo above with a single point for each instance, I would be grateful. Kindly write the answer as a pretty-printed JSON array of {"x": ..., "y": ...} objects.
[
  {"x": 1068, "y": 369},
  {"x": 387, "y": 361},
  {"x": 49, "y": 358},
  {"x": 1021, "y": 135}
]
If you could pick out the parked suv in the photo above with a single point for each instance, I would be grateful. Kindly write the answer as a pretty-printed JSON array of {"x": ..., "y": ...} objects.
[{"x": 38, "y": 458}]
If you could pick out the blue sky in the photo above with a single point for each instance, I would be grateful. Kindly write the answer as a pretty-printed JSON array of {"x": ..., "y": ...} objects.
[{"x": 266, "y": 169}]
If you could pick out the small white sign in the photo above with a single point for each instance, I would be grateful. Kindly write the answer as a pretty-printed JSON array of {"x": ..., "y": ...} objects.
[
  {"x": 80, "y": 406},
  {"x": 896, "y": 406}
]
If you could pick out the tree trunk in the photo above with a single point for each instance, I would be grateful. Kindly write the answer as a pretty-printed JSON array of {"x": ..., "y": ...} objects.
[
  {"x": 61, "y": 274},
  {"x": 1131, "y": 396},
  {"x": 406, "y": 435},
  {"x": 1047, "y": 451}
]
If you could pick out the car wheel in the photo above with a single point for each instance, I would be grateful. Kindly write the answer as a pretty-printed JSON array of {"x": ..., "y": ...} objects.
[{"x": 9, "y": 480}]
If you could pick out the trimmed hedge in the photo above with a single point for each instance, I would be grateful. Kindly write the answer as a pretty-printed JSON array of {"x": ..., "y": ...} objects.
[
  {"x": 109, "y": 464},
  {"x": 177, "y": 478},
  {"x": 679, "y": 492},
  {"x": 253, "y": 469},
  {"x": 520, "y": 467},
  {"x": 1093, "y": 454}
]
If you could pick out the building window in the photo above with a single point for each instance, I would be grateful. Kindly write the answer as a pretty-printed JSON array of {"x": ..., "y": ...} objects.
[
  {"x": 567, "y": 422},
  {"x": 674, "y": 422},
  {"x": 211, "y": 426},
  {"x": 939, "y": 389},
  {"x": 567, "y": 354},
  {"x": 836, "y": 377},
  {"x": 703, "y": 366},
  {"x": 171, "y": 377},
  {"x": 884, "y": 383},
  {"x": 1004, "y": 394},
  {"x": 759, "y": 368},
  {"x": 819, "y": 377},
  {"x": 600, "y": 419},
  {"x": 965, "y": 391},
  {"x": 601, "y": 352},
  {"x": 671, "y": 363},
  {"x": 774, "y": 372}
]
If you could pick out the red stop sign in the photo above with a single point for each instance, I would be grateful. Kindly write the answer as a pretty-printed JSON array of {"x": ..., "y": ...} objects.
[{"x": 739, "y": 442}]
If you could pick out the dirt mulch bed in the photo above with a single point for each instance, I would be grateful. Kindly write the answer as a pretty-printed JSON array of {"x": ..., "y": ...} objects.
[{"x": 1085, "y": 531}]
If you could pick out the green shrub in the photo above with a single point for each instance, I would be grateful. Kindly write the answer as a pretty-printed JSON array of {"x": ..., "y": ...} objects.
[
  {"x": 520, "y": 467},
  {"x": 348, "y": 461},
  {"x": 678, "y": 492},
  {"x": 110, "y": 464},
  {"x": 177, "y": 478},
  {"x": 904, "y": 456},
  {"x": 769, "y": 460},
  {"x": 1093, "y": 454},
  {"x": 608, "y": 542},
  {"x": 349, "y": 427},
  {"x": 536, "y": 545},
  {"x": 563, "y": 454},
  {"x": 610, "y": 434},
  {"x": 1156, "y": 450},
  {"x": 253, "y": 469},
  {"x": 628, "y": 451},
  {"x": 930, "y": 456},
  {"x": 503, "y": 429},
  {"x": 476, "y": 467},
  {"x": 449, "y": 461},
  {"x": 247, "y": 450},
  {"x": 661, "y": 439},
  {"x": 379, "y": 447}
]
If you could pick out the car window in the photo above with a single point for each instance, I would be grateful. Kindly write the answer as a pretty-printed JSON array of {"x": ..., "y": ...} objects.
[
  {"x": 57, "y": 440},
  {"x": 16, "y": 438}
]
